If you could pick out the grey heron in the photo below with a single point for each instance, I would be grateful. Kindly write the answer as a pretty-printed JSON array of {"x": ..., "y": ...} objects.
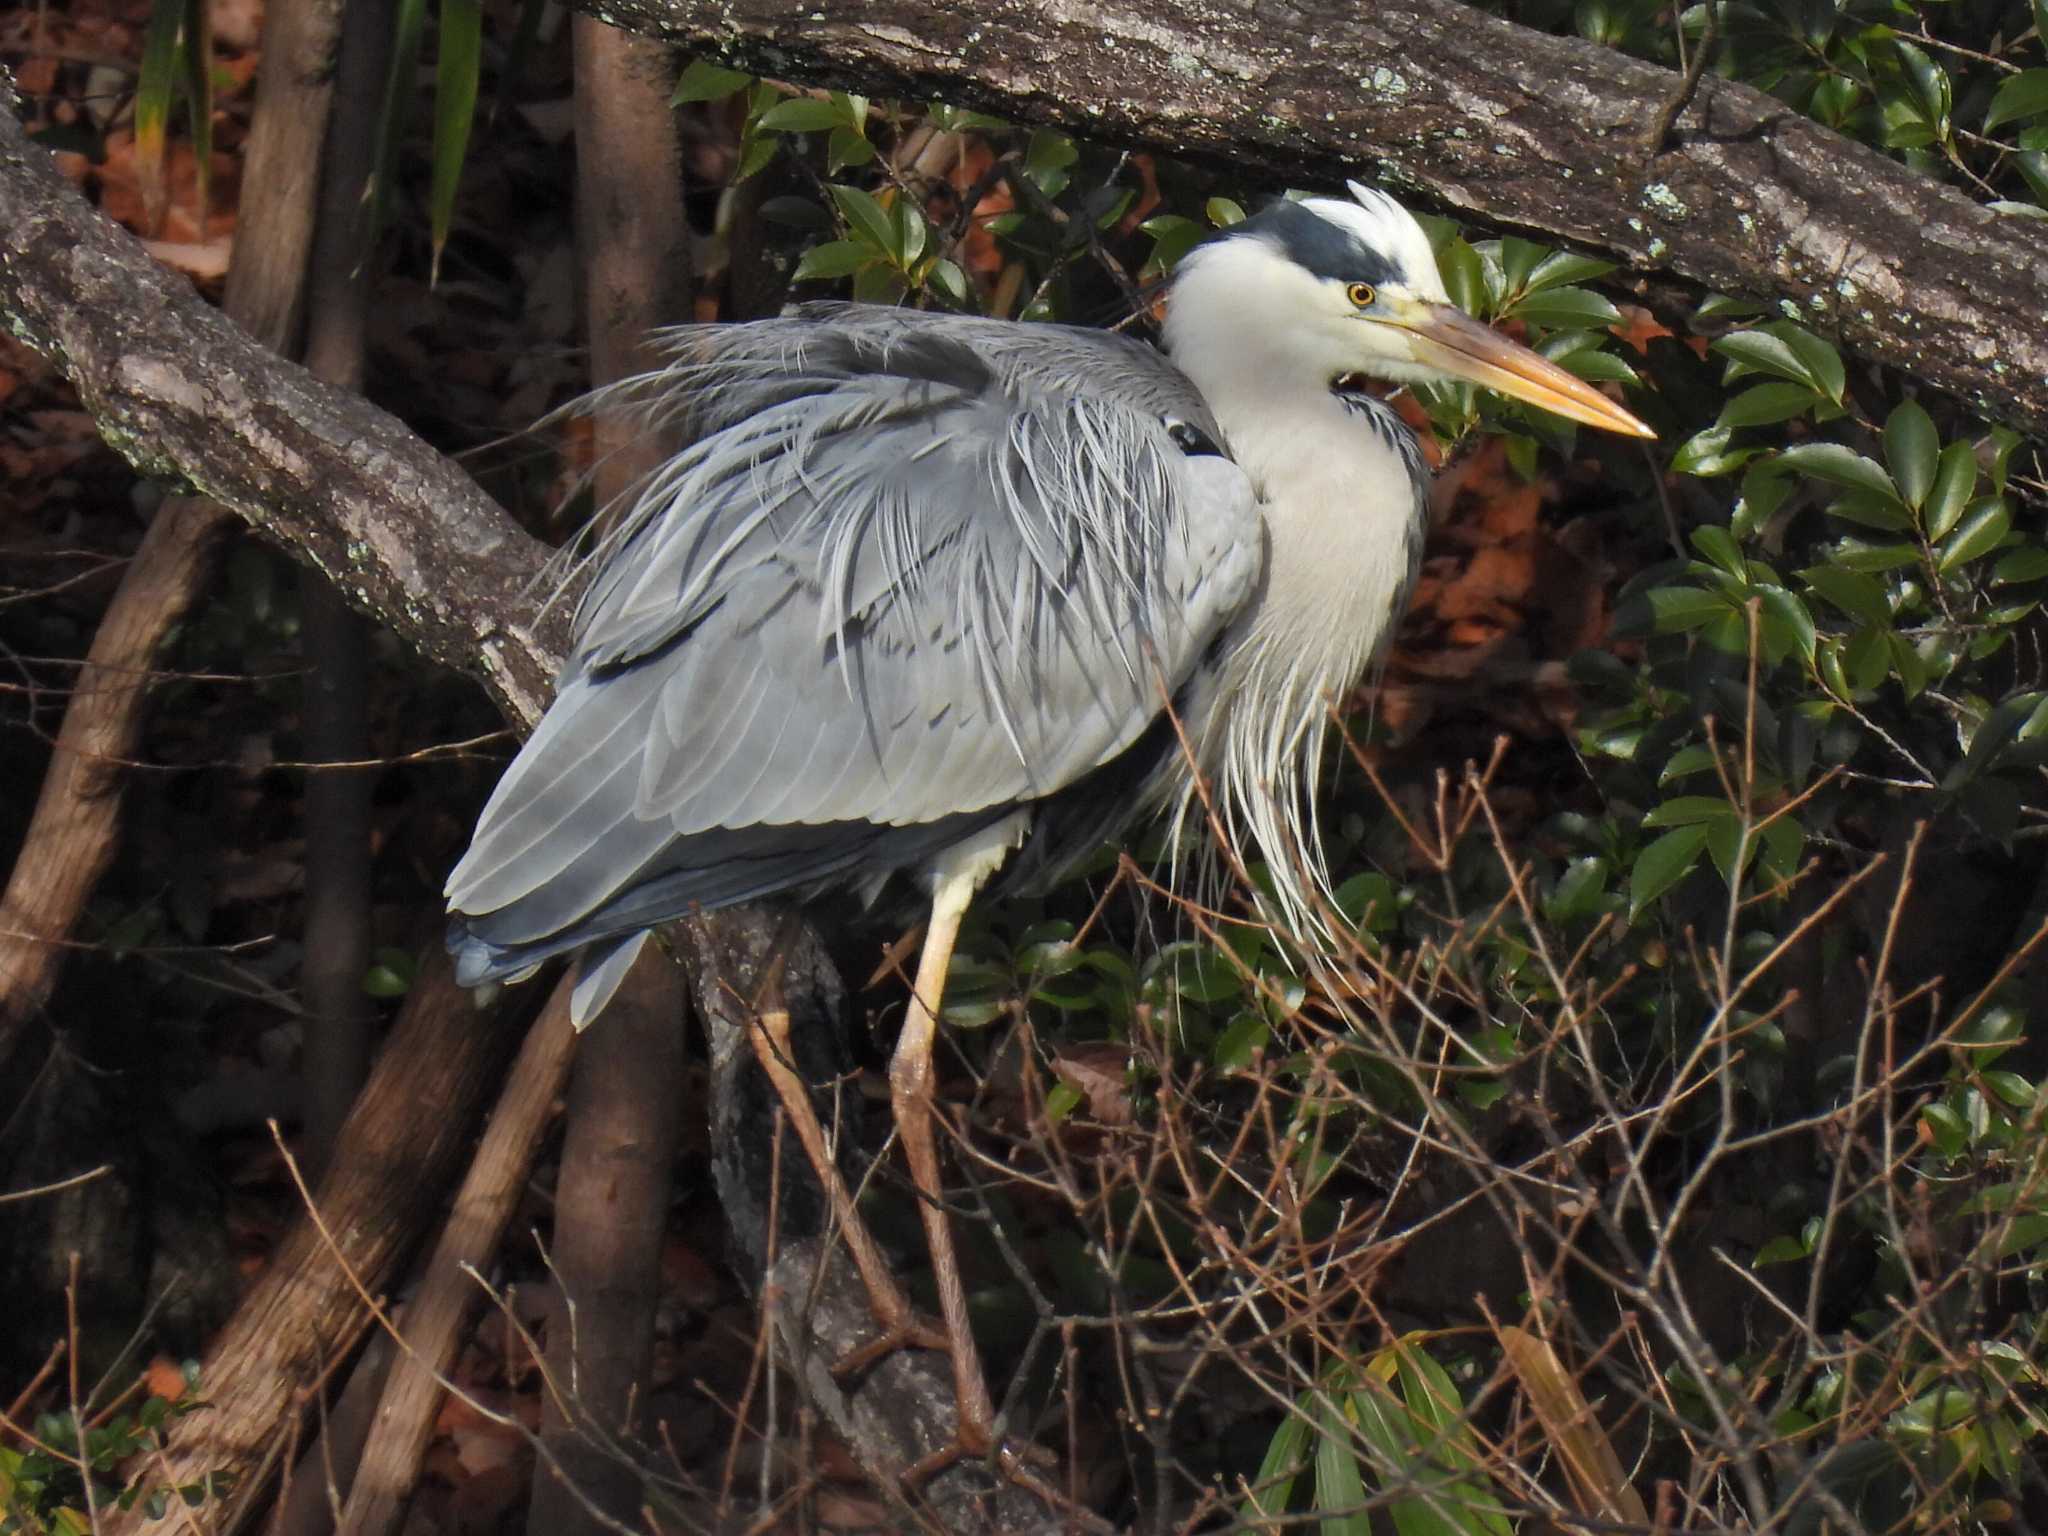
[{"x": 925, "y": 590}]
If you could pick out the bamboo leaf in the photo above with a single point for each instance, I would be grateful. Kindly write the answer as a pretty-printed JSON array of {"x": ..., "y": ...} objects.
[
  {"x": 1599, "y": 1485},
  {"x": 153, "y": 90},
  {"x": 395, "y": 113},
  {"x": 458, "y": 67}
]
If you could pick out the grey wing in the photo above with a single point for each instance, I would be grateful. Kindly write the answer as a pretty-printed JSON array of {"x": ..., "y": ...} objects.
[{"x": 898, "y": 585}]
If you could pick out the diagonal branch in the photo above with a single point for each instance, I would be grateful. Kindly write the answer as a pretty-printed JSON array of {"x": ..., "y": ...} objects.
[
  {"x": 1479, "y": 116},
  {"x": 183, "y": 392}
]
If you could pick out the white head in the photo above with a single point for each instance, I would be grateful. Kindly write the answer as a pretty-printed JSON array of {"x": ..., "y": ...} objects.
[{"x": 1302, "y": 294}]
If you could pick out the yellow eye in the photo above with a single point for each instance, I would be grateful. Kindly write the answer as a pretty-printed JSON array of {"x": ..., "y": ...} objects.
[{"x": 1361, "y": 294}]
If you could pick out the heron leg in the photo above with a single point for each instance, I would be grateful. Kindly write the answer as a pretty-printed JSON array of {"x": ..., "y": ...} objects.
[
  {"x": 900, "y": 1325},
  {"x": 910, "y": 1092}
]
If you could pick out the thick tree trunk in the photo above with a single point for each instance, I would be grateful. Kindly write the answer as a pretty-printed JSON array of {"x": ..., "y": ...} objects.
[
  {"x": 435, "y": 1318},
  {"x": 335, "y": 699},
  {"x": 1477, "y": 116}
]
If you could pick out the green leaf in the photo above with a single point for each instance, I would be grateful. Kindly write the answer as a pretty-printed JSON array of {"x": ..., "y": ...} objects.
[
  {"x": 1764, "y": 489},
  {"x": 1707, "y": 453},
  {"x": 1908, "y": 664},
  {"x": 1675, "y": 610},
  {"x": 1910, "y": 448},
  {"x": 457, "y": 68},
  {"x": 1932, "y": 92},
  {"x": 803, "y": 114},
  {"x": 1786, "y": 623},
  {"x": 154, "y": 88},
  {"x": 391, "y": 974},
  {"x": 2011, "y": 1087},
  {"x": 1851, "y": 591},
  {"x": 1222, "y": 212},
  {"x": 1595, "y": 364},
  {"x": 2022, "y": 95},
  {"x": 1047, "y": 159},
  {"x": 755, "y": 153},
  {"x": 1664, "y": 863},
  {"x": 1173, "y": 236},
  {"x": 1779, "y": 1250},
  {"x": 835, "y": 258},
  {"x": 947, "y": 277},
  {"x": 1872, "y": 509},
  {"x": 2022, "y": 565},
  {"x": 1561, "y": 267},
  {"x": 1061, "y": 1100},
  {"x": 868, "y": 219},
  {"x": 1717, "y": 546},
  {"x": 1464, "y": 276},
  {"x": 1686, "y": 810},
  {"x": 706, "y": 81},
  {"x": 1982, "y": 528},
  {"x": 195, "y": 61},
  {"x": 396, "y": 111},
  {"x": 1766, "y": 350},
  {"x": 1949, "y": 1133},
  {"x": 1955, "y": 480},
  {"x": 1339, "y": 1486},
  {"x": 911, "y": 232},
  {"x": 1272, "y": 1487},
  {"x": 1716, "y": 307},
  {"x": 1238, "y": 1046},
  {"x": 1578, "y": 890},
  {"x": 1840, "y": 466},
  {"x": 1687, "y": 761},
  {"x": 2022, "y": 1233},
  {"x": 2001, "y": 441},
  {"x": 1561, "y": 308},
  {"x": 1518, "y": 258},
  {"x": 1762, "y": 404},
  {"x": 845, "y": 149}
]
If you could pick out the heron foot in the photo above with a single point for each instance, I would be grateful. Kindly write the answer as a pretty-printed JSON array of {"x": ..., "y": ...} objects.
[{"x": 906, "y": 1331}]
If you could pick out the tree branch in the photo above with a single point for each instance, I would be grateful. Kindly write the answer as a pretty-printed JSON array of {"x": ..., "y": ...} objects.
[
  {"x": 183, "y": 392},
  {"x": 1478, "y": 116}
]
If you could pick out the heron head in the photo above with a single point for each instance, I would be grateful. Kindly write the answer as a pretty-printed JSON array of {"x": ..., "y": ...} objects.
[{"x": 1331, "y": 287}]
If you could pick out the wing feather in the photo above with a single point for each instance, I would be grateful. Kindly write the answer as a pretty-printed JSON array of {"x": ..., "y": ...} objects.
[{"x": 912, "y": 572}]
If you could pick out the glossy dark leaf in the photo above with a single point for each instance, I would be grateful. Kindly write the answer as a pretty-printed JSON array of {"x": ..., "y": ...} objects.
[
  {"x": 1911, "y": 447},
  {"x": 1664, "y": 863},
  {"x": 457, "y": 69},
  {"x": 2022, "y": 95}
]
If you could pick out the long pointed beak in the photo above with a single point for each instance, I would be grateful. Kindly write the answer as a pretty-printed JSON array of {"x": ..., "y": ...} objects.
[{"x": 1452, "y": 342}]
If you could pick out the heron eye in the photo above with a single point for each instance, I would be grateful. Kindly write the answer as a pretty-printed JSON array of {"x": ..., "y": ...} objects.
[{"x": 1361, "y": 295}]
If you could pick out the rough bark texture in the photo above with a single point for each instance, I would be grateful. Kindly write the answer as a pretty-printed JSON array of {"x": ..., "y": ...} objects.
[
  {"x": 185, "y": 393},
  {"x": 336, "y": 807},
  {"x": 74, "y": 834},
  {"x": 740, "y": 961},
  {"x": 611, "y": 1215},
  {"x": 1474, "y": 115},
  {"x": 625, "y": 1105},
  {"x": 434, "y": 1319}
]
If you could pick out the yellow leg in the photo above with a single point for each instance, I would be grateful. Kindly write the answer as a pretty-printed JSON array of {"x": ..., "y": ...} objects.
[{"x": 910, "y": 1091}]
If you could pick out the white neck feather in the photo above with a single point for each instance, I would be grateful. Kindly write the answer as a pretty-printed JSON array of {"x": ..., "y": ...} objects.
[{"x": 1343, "y": 534}]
